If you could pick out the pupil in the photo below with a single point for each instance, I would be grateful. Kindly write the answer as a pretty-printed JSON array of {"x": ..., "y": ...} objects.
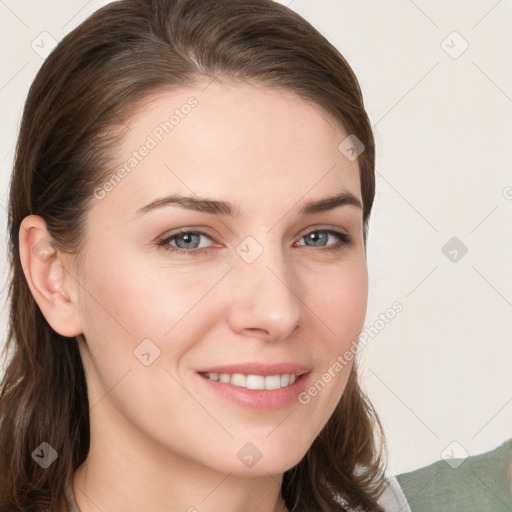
[
  {"x": 319, "y": 237},
  {"x": 187, "y": 239}
]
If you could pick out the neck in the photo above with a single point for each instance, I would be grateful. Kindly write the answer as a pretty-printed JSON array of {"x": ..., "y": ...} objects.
[{"x": 123, "y": 471}]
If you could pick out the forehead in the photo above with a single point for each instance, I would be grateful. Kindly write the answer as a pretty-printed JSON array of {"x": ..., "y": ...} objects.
[{"x": 233, "y": 141}]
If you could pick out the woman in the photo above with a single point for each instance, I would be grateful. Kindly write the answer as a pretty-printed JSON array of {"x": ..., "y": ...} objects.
[{"x": 188, "y": 218}]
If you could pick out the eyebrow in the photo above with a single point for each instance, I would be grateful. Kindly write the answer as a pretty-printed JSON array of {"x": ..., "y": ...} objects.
[{"x": 215, "y": 207}]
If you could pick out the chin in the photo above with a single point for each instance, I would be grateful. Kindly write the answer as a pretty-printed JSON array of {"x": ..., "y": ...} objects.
[{"x": 272, "y": 459}]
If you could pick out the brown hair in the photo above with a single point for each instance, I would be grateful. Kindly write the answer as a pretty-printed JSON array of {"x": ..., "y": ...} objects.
[{"x": 72, "y": 122}]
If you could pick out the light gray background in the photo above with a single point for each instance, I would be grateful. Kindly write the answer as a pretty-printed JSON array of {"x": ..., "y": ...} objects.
[{"x": 440, "y": 372}]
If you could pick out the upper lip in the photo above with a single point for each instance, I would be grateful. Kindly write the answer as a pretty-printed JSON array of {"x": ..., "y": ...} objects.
[{"x": 258, "y": 369}]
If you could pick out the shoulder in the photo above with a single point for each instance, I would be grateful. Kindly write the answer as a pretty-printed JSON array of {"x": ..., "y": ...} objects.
[
  {"x": 481, "y": 482},
  {"x": 393, "y": 499}
]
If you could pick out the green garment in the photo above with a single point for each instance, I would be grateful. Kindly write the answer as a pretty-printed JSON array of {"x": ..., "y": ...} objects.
[{"x": 482, "y": 483}]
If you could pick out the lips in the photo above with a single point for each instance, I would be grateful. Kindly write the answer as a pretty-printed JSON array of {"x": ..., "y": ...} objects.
[{"x": 228, "y": 382}]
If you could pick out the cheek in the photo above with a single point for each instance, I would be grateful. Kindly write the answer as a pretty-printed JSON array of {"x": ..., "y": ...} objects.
[
  {"x": 339, "y": 299},
  {"x": 140, "y": 319},
  {"x": 340, "y": 305},
  {"x": 342, "y": 308},
  {"x": 128, "y": 299}
]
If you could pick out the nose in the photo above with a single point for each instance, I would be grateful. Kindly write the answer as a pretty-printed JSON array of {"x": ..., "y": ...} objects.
[{"x": 265, "y": 297}]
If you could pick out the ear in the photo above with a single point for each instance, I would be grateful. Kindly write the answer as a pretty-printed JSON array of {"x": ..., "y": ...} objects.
[{"x": 51, "y": 284}]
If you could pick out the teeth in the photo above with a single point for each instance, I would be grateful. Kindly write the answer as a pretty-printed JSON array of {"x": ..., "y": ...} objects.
[{"x": 254, "y": 381}]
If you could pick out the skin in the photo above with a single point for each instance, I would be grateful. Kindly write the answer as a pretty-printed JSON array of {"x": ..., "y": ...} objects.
[{"x": 159, "y": 436}]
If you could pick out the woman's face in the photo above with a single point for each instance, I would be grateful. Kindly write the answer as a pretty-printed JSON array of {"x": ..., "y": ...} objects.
[{"x": 267, "y": 288}]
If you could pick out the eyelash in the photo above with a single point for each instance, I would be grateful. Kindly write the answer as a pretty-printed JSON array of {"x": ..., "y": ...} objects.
[{"x": 343, "y": 240}]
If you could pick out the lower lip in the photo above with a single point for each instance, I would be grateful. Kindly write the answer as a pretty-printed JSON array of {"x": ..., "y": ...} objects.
[{"x": 259, "y": 399}]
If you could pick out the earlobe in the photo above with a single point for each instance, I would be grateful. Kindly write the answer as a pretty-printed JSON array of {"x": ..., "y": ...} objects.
[{"x": 46, "y": 277}]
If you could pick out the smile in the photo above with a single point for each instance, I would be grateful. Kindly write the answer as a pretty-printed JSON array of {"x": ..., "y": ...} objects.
[{"x": 269, "y": 382}]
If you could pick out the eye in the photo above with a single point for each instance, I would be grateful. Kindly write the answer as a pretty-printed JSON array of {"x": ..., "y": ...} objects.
[
  {"x": 187, "y": 242},
  {"x": 321, "y": 237}
]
